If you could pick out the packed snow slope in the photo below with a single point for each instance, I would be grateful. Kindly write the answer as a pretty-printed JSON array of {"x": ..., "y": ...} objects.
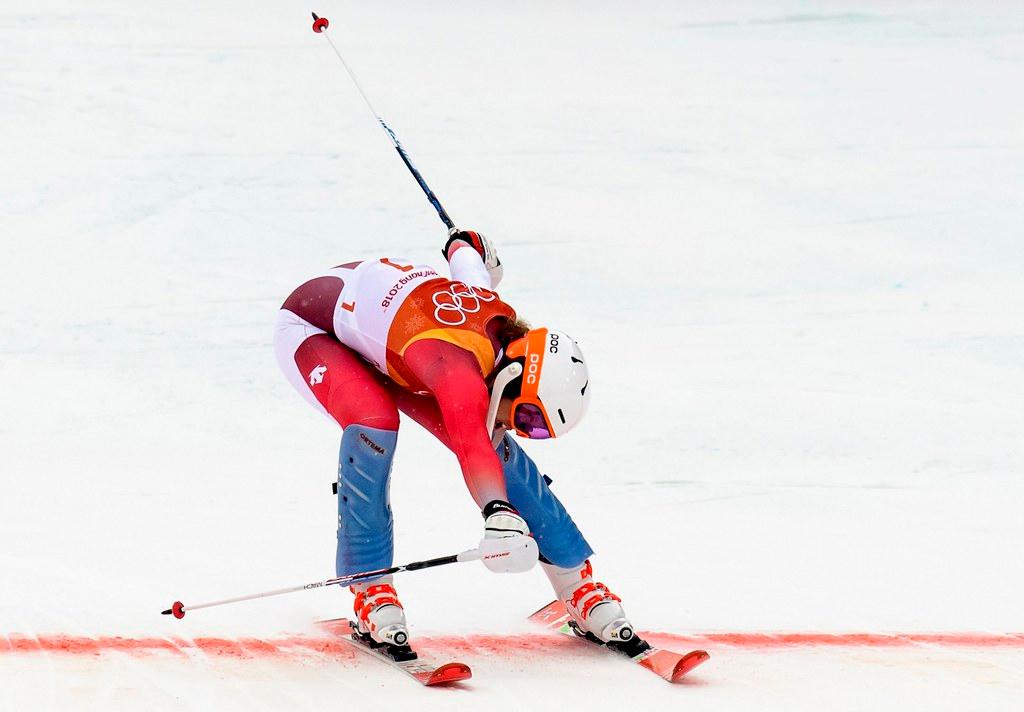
[{"x": 787, "y": 235}]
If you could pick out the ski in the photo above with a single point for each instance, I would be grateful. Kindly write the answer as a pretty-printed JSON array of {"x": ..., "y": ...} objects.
[
  {"x": 665, "y": 664},
  {"x": 424, "y": 670}
]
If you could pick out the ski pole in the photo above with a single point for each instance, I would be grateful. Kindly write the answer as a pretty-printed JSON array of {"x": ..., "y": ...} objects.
[
  {"x": 178, "y": 608},
  {"x": 320, "y": 25}
]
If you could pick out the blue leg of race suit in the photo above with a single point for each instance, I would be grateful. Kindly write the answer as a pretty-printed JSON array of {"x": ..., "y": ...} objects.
[
  {"x": 365, "y": 530},
  {"x": 558, "y": 539}
]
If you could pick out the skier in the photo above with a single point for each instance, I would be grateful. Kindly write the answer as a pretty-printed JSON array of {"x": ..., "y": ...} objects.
[{"x": 371, "y": 338}]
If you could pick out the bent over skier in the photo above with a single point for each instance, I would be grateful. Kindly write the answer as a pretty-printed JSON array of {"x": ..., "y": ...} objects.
[{"x": 368, "y": 339}]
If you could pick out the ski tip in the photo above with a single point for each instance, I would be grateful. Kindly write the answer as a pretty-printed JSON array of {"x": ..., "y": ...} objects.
[
  {"x": 687, "y": 663},
  {"x": 552, "y": 615},
  {"x": 449, "y": 673}
]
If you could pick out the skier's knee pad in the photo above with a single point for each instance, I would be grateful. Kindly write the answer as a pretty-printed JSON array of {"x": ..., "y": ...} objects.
[
  {"x": 558, "y": 539},
  {"x": 365, "y": 529}
]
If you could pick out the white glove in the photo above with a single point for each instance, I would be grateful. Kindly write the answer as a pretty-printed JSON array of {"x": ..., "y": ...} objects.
[
  {"x": 508, "y": 555},
  {"x": 483, "y": 247},
  {"x": 507, "y": 546}
]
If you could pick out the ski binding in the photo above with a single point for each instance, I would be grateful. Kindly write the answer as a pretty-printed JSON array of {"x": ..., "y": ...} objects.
[
  {"x": 666, "y": 664},
  {"x": 424, "y": 670}
]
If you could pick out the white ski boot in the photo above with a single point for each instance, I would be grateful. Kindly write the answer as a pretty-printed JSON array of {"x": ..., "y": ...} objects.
[
  {"x": 596, "y": 612},
  {"x": 379, "y": 614}
]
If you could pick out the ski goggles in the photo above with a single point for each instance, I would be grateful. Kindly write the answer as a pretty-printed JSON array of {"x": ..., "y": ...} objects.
[{"x": 529, "y": 417}]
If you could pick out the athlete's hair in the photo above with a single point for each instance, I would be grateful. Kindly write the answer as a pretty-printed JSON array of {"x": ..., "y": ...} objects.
[{"x": 511, "y": 330}]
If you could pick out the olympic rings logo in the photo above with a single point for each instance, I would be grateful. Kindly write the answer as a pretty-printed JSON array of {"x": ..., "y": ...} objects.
[{"x": 454, "y": 303}]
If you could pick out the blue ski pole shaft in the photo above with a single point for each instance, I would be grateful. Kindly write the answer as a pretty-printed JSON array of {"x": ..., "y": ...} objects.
[{"x": 320, "y": 25}]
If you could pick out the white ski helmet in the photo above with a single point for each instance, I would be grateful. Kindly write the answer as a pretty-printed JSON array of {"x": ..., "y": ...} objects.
[{"x": 554, "y": 393}]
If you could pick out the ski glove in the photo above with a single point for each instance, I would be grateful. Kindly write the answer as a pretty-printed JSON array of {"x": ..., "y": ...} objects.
[
  {"x": 507, "y": 546},
  {"x": 483, "y": 247}
]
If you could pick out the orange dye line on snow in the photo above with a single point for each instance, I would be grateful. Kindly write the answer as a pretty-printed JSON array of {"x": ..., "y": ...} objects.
[
  {"x": 495, "y": 644},
  {"x": 873, "y": 640},
  {"x": 221, "y": 647},
  {"x": 296, "y": 646},
  {"x": 85, "y": 645}
]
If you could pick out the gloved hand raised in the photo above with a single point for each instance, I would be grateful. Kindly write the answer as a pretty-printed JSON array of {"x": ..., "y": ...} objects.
[
  {"x": 483, "y": 247},
  {"x": 507, "y": 546}
]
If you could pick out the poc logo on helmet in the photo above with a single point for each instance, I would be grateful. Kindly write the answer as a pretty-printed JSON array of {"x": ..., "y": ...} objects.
[
  {"x": 552, "y": 342},
  {"x": 532, "y": 368}
]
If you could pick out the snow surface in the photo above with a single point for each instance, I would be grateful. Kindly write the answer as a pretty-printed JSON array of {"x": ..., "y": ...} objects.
[{"x": 788, "y": 236}]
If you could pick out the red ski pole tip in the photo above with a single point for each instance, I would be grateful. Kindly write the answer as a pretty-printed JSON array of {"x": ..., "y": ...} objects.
[
  {"x": 178, "y": 610},
  {"x": 320, "y": 24}
]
